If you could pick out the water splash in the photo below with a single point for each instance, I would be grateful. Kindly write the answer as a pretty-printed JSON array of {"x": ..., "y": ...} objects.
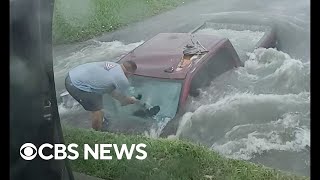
[
  {"x": 248, "y": 140},
  {"x": 259, "y": 108},
  {"x": 242, "y": 40}
]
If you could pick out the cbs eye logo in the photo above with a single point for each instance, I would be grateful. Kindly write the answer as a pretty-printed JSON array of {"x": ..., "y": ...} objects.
[{"x": 28, "y": 151}]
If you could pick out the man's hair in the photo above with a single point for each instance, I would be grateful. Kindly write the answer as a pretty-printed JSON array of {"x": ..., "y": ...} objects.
[{"x": 130, "y": 66}]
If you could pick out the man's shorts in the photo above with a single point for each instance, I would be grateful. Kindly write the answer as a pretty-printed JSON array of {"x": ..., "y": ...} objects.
[{"x": 90, "y": 101}]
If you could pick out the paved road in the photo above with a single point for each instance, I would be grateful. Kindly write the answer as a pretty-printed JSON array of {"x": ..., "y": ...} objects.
[{"x": 182, "y": 19}]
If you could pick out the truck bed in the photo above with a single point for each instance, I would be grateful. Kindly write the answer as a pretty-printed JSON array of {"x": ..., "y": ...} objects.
[{"x": 244, "y": 37}]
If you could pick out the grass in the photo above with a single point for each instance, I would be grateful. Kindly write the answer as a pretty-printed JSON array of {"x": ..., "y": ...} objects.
[
  {"x": 78, "y": 20},
  {"x": 167, "y": 159}
]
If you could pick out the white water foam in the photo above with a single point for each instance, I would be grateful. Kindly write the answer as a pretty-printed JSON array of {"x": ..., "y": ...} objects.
[
  {"x": 287, "y": 134},
  {"x": 267, "y": 71},
  {"x": 243, "y": 41},
  {"x": 262, "y": 106},
  {"x": 156, "y": 129},
  {"x": 68, "y": 110}
]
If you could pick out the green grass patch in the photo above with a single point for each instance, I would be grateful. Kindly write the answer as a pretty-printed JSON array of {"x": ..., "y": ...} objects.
[
  {"x": 167, "y": 159},
  {"x": 78, "y": 20}
]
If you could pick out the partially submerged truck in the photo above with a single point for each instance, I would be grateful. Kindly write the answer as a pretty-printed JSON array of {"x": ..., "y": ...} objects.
[{"x": 172, "y": 67}]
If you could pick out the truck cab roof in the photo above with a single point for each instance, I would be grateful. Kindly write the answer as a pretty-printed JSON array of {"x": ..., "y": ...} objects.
[{"x": 165, "y": 50}]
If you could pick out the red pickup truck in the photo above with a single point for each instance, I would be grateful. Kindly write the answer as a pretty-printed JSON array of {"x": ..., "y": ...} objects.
[{"x": 171, "y": 68}]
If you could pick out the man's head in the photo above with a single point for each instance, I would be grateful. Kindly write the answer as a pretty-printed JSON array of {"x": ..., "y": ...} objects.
[{"x": 129, "y": 67}]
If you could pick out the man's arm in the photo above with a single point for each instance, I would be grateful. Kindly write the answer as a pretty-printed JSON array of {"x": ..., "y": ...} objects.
[{"x": 123, "y": 99}]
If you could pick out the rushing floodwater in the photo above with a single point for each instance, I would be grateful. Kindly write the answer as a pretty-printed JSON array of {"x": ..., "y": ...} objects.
[{"x": 259, "y": 112}]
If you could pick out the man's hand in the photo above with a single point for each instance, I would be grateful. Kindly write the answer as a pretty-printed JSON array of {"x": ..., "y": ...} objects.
[
  {"x": 124, "y": 100},
  {"x": 132, "y": 100},
  {"x": 129, "y": 100}
]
